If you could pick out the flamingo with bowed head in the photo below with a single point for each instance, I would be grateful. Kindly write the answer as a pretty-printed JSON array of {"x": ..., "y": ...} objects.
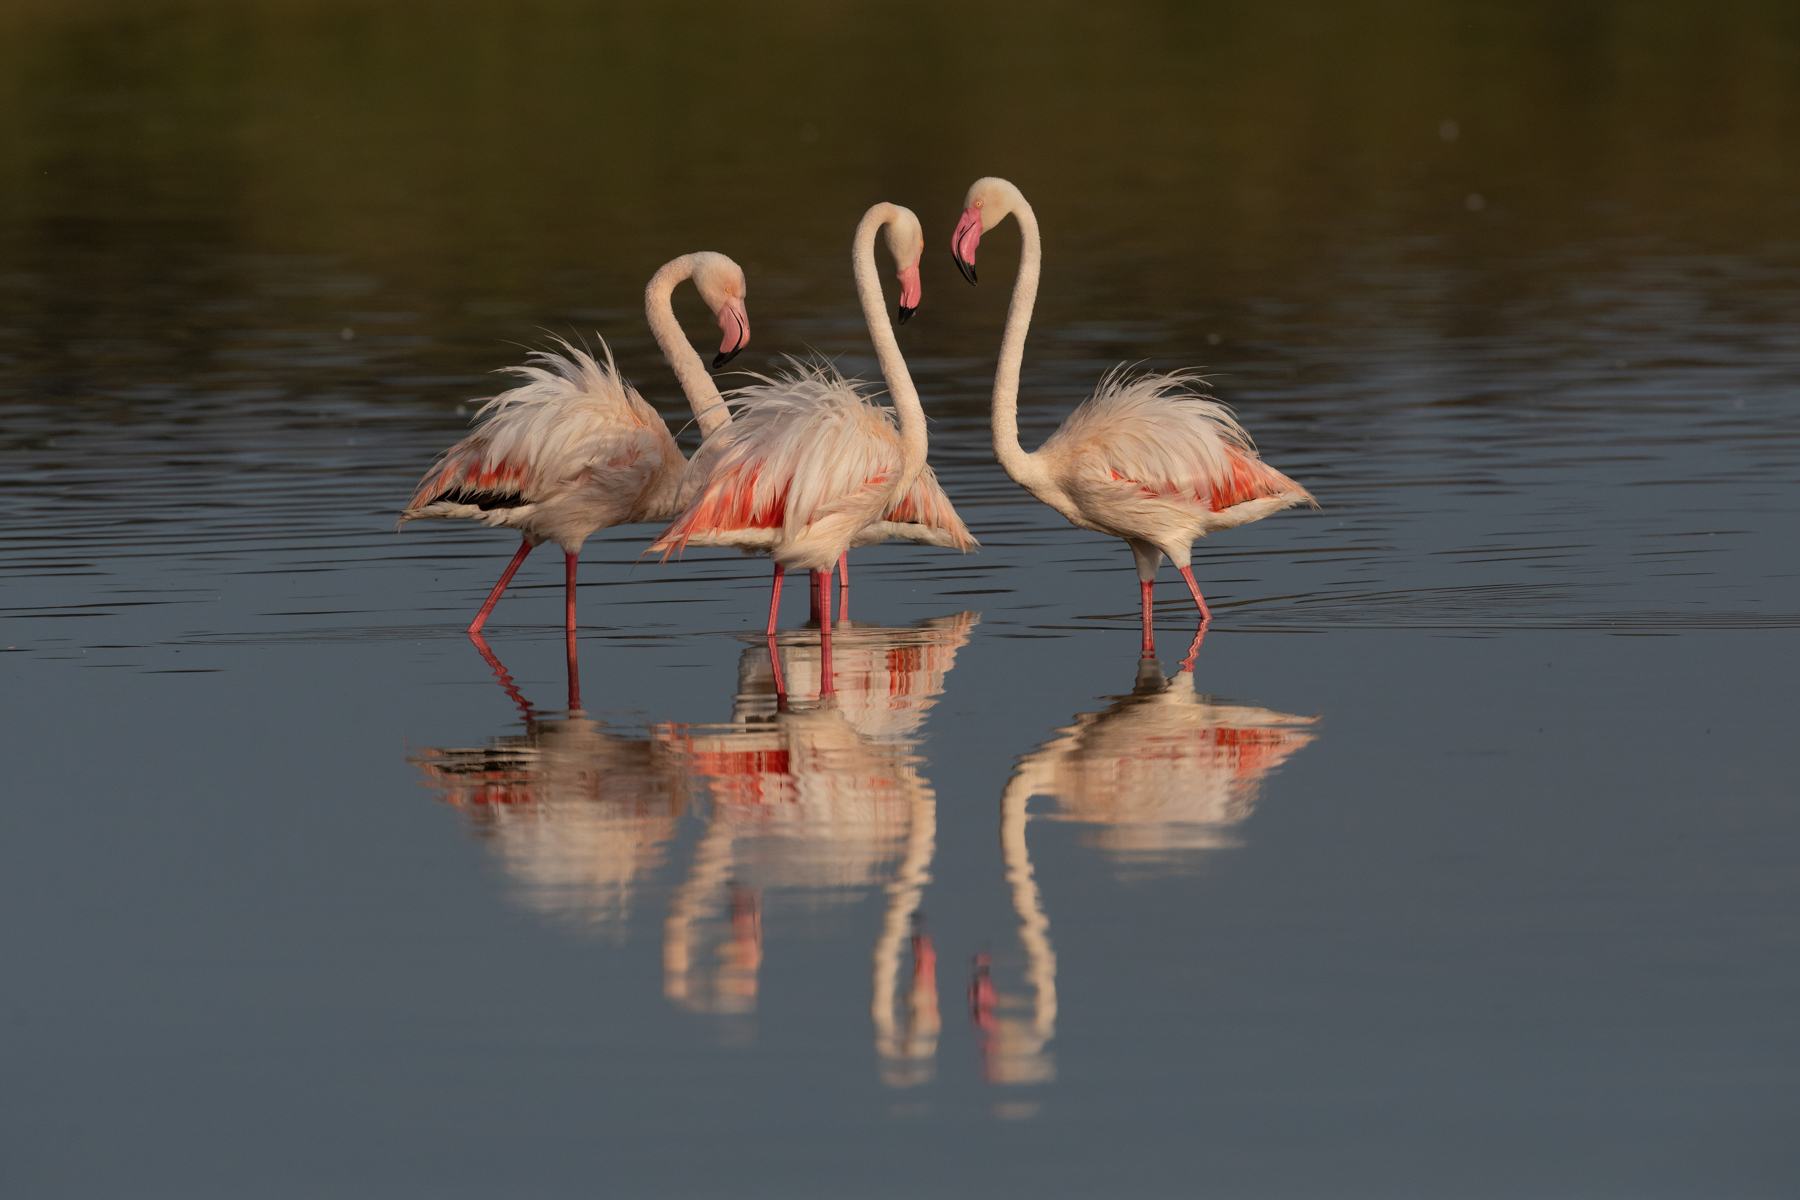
[
  {"x": 1147, "y": 457},
  {"x": 575, "y": 448},
  {"x": 810, "y": 466}
]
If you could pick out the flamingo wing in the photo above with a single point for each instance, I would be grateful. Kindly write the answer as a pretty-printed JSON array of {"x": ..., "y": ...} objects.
[
  {"x": 924, "y": 513},
  {"x": 806, "y": 447},
  {"x": 574, "y": 424}
]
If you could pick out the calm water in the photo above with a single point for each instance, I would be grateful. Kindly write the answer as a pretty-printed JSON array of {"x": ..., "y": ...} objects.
[{"x": 1460, "y": 863}]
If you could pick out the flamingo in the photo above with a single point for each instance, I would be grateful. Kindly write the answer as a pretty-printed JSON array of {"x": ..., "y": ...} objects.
[
  {"x": 575, "y": 448},
  {"x": 1149, "y": 457},
  {"x": 811, "y": 466}
]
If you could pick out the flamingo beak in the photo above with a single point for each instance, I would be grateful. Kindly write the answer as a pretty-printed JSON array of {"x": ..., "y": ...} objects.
[
  {"x": 910, "y": 293},
  {"x": 964, "y": 241},
  {"x": 734, "y": 323}
]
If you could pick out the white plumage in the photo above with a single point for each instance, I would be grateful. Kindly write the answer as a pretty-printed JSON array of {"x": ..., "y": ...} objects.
[
  {"x": 575, "y": 448},
  {"x": 571, "y": 450},
  {"x": 810, "y": 465},
  {"x": 1149, "y": 457},
  {"x": 1152, "y": 457}
]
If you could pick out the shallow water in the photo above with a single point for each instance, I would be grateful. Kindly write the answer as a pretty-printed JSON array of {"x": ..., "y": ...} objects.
[{"x": 1459, "y": 862}]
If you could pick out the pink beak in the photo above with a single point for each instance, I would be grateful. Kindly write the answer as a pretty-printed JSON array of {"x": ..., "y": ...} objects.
[
  {"x": 734, "y": 323},
  {"x": 964, "y": 241},
  {"x": 910, "y": 292}
]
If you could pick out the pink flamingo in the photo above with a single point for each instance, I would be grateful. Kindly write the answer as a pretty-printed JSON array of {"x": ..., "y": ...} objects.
[
  {"x": 810, "y": 466},
  {"x": 575, "y": 448},
  {"x": 1148, "y": 457}
]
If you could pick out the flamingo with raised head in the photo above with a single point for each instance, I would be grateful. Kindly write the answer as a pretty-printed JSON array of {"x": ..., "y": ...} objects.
[
  {"x": 575, "y": 448},
  {"x": 1149, "y": 457},
  {"x": 810, "y": 465}
]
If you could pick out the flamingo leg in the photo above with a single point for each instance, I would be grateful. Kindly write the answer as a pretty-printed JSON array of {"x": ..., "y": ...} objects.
[
  {"x": 844, "y": 586},
  {"x": 569, "y": 561},
  {"x": 822, "y": 582},
  {"x": 812, "y": 591},
  {"x": 775, "y": 598},
  {"x": 512, "y": 569},
  {"x": 569, "y": 625},
  {"x": 1187, "y": 573},
  {"x": 1149, "y": 631}
]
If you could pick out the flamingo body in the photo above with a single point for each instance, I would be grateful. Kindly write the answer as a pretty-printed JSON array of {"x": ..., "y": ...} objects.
[
  {"x": 572, "y": 450},
  {"x": 1150, "y": 459},
  {"x": 808, "y": 467}
]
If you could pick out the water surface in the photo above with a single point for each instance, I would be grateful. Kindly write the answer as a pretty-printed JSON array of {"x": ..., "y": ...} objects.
[{"x": 1456, "y": 861}]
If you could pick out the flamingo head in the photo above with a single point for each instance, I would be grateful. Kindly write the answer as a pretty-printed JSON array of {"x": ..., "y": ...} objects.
[
  {"x": 906, "y": 242},
  {"x": 989, "y": 202},
  {"x": 720, "y": 283}
]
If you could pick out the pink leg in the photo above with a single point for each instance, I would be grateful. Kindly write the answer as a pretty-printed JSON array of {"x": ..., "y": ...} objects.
[
  {"x": 812, "y": 591},
  {"x": 775, "y": 598},
  {"x": 512, "y": 569},
  {"x": 1187, "y": 573},
  {"x": 569, "y": 625},
  {"x": 569, "y": 561},
  {"x": 822, "y": 581},
  {"x": 1149, "y": 632},
  {"x": 844, "y": 586}
]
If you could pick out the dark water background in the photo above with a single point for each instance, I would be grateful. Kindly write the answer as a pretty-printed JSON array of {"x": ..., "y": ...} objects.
[{"x": 1461, "y": 864}]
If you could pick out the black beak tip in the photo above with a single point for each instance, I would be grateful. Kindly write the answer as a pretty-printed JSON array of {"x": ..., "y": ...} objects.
[
  {"x": 967, "y": 268},
  {"x": 722, "y": 357},
  {"x": 906, "y": 313}
]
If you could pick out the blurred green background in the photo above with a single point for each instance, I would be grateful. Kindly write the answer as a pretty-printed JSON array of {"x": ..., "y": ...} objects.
[{"x": 495, "y": 167}]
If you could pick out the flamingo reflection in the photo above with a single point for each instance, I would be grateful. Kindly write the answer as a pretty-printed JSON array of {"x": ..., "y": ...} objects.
[
  {"x": 578, "y": 812},
  {"x": 799, "y": 804},
  {"x": 816, "y": 801},
  {"x": 1161, "y": 772}
]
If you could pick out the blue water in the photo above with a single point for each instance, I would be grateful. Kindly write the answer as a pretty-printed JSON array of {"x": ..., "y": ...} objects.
[{"x": 1459, "y": 862}]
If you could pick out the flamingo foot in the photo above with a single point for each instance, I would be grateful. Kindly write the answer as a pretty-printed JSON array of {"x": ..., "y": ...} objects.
[
  {"x": 1187, "y": 573},
  {"x": 512, "y": 568}
]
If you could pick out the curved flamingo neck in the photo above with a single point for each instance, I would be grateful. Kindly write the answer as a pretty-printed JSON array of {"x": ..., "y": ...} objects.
[
  {"x": 887, "y": 347},
  {"x": 696, "y": 382},
  {"x": 1028, "y": 905},
  {"x": 1019, "y": 464}
]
